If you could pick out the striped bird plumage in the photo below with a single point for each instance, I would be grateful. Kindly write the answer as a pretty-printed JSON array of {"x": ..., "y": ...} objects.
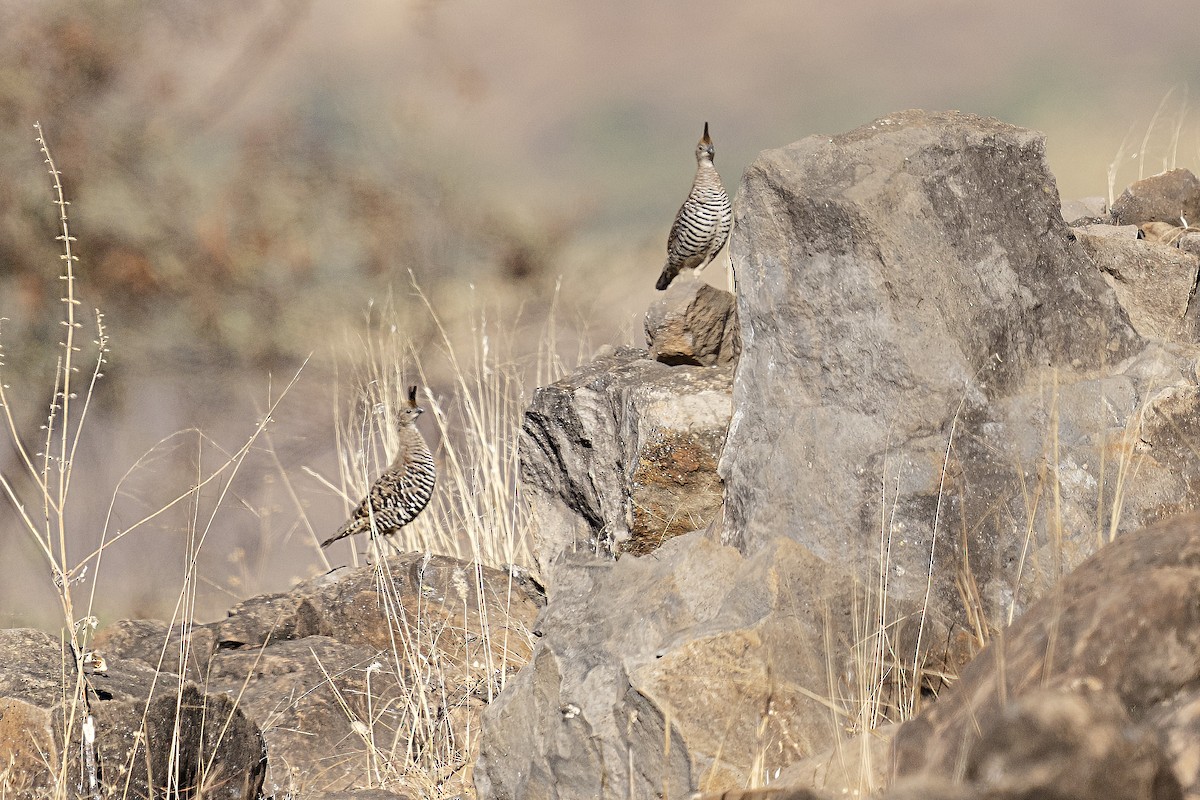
[
  {"x": 402, "y": 490},
  {"x": 703, "y": 222}
]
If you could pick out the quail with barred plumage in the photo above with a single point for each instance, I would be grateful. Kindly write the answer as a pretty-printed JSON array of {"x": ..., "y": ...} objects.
[
  {"x": 702, "y": 224},
  {"x": 402, "y": 490}
]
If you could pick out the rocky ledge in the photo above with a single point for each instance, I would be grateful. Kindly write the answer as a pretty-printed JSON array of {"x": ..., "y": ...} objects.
[
  {"x": 946, "y": 399},
  {"x": 309, "y": 693}
]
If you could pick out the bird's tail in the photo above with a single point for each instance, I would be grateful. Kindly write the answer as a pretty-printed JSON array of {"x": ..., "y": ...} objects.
[
  {"x": 664, "y": 280},
  {"x": 346, "y": 530}
]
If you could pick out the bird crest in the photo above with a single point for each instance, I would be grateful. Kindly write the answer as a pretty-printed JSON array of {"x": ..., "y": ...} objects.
[
  {"x": 408, "y": 415},
  {"x": 704, "y": 148}
]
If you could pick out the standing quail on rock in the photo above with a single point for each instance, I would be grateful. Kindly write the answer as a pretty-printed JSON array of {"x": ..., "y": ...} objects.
[
  {"x": 702, "y": 224},
  {"x": 402, "y": 490}
]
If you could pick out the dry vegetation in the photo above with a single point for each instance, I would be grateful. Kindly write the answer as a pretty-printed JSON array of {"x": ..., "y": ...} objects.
[
  {"x": 476, "y": 516},
  {"x": 229, "y": 258},
  {"x": 226, "y": 238}
]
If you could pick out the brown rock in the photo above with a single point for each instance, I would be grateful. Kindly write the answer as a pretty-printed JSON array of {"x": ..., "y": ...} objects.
[
  {"x": 149, "y": 727},
  {"x": 27, "y": 744},
  {"x": 1119, "y": 641},
  {"x": 432, "y": 639},
  {"x": 158, "y": 644},
  {"x": 1056, "y": 743},
  {"x": 693, "y": 323},
  {"x": 1170, "y": 196},
  {"x": 674, "y": 488},
  {"x": 404, "y": 655}
]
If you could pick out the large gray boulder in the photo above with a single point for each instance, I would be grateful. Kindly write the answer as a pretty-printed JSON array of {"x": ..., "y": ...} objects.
[{"x": 932, "y": 367}]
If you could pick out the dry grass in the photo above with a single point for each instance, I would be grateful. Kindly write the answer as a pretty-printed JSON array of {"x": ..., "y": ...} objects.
[
  {"x": 1158, "y": 149},
  {"x": 474, "y": 514},
  {"x": 42, "y": 511},
  {"x": 890, "y": 673}
]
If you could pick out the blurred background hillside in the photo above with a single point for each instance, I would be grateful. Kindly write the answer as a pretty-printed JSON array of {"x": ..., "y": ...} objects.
[{"x": 253, "y": 181}]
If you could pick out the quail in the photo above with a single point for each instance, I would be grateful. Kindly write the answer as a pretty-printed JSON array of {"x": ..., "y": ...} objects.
[
  {"x": 702, "y": 224},
  {"x": 402, "y": 490}
]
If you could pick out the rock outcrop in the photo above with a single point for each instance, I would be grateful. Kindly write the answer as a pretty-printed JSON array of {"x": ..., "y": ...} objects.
[
  {"x": 386, "y": 667},
  {"x": 916, "y": 317},
  {"x": 150, "y": 729},
  {"x": 940, "y": 407},
  {"x": 621, "y": 455},
  {"x": 1091, "y": 694}
]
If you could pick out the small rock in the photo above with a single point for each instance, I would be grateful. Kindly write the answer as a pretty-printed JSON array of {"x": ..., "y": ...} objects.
[
  {"x": 1171, "y": 196},
  {"x": 1085, "y": 209},
  {"x": 693, "y": 323}
]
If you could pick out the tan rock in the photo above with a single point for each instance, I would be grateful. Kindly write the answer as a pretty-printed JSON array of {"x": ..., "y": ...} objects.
[{"x": 1153, "y": 282}]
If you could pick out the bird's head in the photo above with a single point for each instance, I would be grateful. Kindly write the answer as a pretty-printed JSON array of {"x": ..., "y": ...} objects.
[
  {"x": 705, "y": 149},
  {"x": 410, "y": 411}
]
